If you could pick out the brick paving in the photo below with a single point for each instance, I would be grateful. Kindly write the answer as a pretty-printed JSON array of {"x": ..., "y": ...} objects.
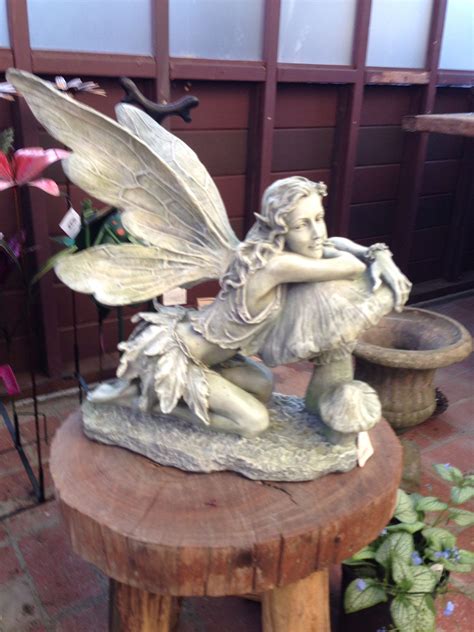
[{"x": 45, "y": 587}]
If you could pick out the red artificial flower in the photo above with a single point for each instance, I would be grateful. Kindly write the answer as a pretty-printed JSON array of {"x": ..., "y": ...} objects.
[{"x": 26, "y": 164}]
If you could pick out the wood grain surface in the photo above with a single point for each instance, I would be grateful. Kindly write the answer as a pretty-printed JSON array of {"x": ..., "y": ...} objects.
[{"x": 175, "y": 533}]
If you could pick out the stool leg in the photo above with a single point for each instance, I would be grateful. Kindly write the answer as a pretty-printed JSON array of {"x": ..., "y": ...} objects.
[
  {"x": 299, "y": 607},
  {"x": 135, "y": 610}
]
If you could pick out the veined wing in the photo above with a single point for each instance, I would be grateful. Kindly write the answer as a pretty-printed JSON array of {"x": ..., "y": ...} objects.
[
  {"x": 183, "y": 161},
  {"x": 115, "y": 166},
  {"x": 124, "y": 274}
]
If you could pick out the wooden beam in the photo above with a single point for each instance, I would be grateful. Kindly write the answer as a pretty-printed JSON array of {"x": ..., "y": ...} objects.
[
  {"x": 262, "y": 118},
  {"x": 160, "y": 21},
  {"x": 92, "y": 64},
  {"x": 347, "y": 128},
  {"x": 455, "y": 78},
  {"x": 309, "y": 73},
  {"x": 384, "y": 76},
  {"x": 216, "y": 70},
  {"x": 456, "y": 124},
  {"x": 34, "y": 202}
]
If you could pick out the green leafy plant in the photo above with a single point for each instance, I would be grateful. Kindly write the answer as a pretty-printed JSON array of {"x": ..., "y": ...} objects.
[{"x": 409, "y": 564}]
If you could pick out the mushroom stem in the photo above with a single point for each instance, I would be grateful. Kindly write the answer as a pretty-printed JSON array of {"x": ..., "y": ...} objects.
[{"x": 326, "y": 376}]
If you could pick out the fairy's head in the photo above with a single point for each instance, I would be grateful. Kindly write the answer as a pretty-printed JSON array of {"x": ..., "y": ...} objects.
[
  {"x": 291, "y": 218},
  {"x": 289, "y": 206}
]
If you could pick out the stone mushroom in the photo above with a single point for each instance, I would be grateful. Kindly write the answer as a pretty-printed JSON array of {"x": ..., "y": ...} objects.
[{"x": 347, "y": 409}]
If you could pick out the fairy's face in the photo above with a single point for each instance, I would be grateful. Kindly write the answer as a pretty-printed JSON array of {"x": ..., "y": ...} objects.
[{"x": 306, "y": 228}]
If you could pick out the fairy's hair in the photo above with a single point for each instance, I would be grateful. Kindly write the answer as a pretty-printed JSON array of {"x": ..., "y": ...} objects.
[{"x": 266, "y": 238}]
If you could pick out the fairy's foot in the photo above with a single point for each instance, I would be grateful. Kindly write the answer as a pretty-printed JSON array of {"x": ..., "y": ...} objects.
[{"x": 114, "y": 392}]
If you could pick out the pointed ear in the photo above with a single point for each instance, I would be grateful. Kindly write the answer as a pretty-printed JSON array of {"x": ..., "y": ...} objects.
[{"x": 262, "y": 220}]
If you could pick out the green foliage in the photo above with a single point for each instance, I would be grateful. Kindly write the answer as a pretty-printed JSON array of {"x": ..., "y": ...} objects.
[
  {"x": 7, "y": 137},
  {"x": 409, "y": 563}
]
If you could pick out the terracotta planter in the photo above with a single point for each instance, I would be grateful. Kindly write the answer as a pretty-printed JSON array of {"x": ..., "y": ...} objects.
[{"x": 399, "y": 357}]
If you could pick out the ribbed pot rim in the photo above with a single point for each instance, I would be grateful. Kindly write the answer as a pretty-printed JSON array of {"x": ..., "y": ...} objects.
[{"x": 419, "y": 359}]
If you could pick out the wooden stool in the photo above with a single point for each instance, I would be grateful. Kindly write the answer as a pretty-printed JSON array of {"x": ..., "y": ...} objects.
[{"x": 160, "y": 533}]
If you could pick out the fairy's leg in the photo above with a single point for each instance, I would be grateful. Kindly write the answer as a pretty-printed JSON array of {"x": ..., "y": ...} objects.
[
  {"x": 230, "y": 408},
  {"x": 251, "y": 376},
  {"x": 233, "y": 409}
]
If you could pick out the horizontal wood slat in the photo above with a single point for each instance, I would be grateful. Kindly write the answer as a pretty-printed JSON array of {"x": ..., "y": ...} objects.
[
  {"x": 306, "y": 106},
  {"x": 379, "y": 145},
  {"x": 421, "y": 271},
  {"x": 395, "y": 76},
  {"x": 216, "y": 70},
  {"x": 221, "y": 105},
  {"x": 223, "y": 152},
  {"x": 370, "y": 220},
  {"x": 440, "y": 177},
  {"x": 302, "y": 149},
  {"x": 429, "y": 243},
  {"x": 386, "y": 105},
  {"x": 434, "y": 210},
  {"x": 373, "y": 184},
  {"x": 93, "y": 64},
  {"x": 444, "y": 147},
  {"x": 303, "y": 73}
]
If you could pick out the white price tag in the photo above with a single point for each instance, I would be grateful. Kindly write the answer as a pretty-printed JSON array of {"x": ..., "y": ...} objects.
[
  {"x": 365, "y": 449},
  {"x": 178, "y": 296},
  {"x": 204, "y": 301},
  {"x": 71, "y": 223}
]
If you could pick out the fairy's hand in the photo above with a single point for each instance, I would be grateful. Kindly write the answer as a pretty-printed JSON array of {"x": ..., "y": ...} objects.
[
  {"x": 330, "y": 251},
  {"x": 384, "y": 269}
]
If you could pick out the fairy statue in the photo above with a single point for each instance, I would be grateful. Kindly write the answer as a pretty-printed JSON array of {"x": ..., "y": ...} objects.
[{"x": 287, "y": 292}]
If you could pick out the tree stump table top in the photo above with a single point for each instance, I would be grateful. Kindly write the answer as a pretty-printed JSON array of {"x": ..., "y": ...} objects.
[{"x": 171, "y": 532}]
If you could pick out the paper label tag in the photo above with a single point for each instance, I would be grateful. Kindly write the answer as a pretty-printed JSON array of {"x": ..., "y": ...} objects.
[
  {"x": 178, "y": 296},
  {"x": 204, "y": 301},
  {"x": 9, "y": 379},
  {"x": 71, "y": 223},
  {"x": 365, "y": 449}
]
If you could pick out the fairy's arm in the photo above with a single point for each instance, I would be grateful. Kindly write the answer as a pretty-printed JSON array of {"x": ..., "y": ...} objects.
[
  {"x": 289, "y": 267},
  {"x": 381, "y": 267}
]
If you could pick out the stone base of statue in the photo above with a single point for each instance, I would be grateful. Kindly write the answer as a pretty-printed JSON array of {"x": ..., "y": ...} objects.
[{"x": 295, "y": 447}]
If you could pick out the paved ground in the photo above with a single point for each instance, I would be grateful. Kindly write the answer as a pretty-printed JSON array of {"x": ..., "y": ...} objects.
[{"x": 45, "y": 587}]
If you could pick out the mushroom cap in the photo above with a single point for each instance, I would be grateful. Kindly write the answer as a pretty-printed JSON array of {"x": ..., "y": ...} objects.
[{"x": 350, "y": 407}]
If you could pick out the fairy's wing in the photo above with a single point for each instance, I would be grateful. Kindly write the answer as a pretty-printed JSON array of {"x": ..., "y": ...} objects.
[
  {"x": 161, "y": 207},
  {"x": 183, "y": 161},
  {"x": 124, "y": 274}
]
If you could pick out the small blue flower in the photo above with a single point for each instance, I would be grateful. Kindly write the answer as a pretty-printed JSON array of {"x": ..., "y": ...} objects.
[
  {"x": 438, "y": 555},
  {"x": 447, "y": 466},
  {"x": 384, "y": 629},
  {"x": 416, "y": 559},
  {"x": 384, "y": 532},
  {"x": 448, "y": 611},
  {"x": 361, "y": 585}
]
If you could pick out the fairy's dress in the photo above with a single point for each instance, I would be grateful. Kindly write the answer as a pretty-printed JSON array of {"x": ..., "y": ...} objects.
[{"x": 318, "y": 321}]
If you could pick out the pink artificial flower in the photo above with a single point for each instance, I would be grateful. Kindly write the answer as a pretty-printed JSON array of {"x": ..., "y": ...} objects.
[{"x": 28, "y": 163}]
